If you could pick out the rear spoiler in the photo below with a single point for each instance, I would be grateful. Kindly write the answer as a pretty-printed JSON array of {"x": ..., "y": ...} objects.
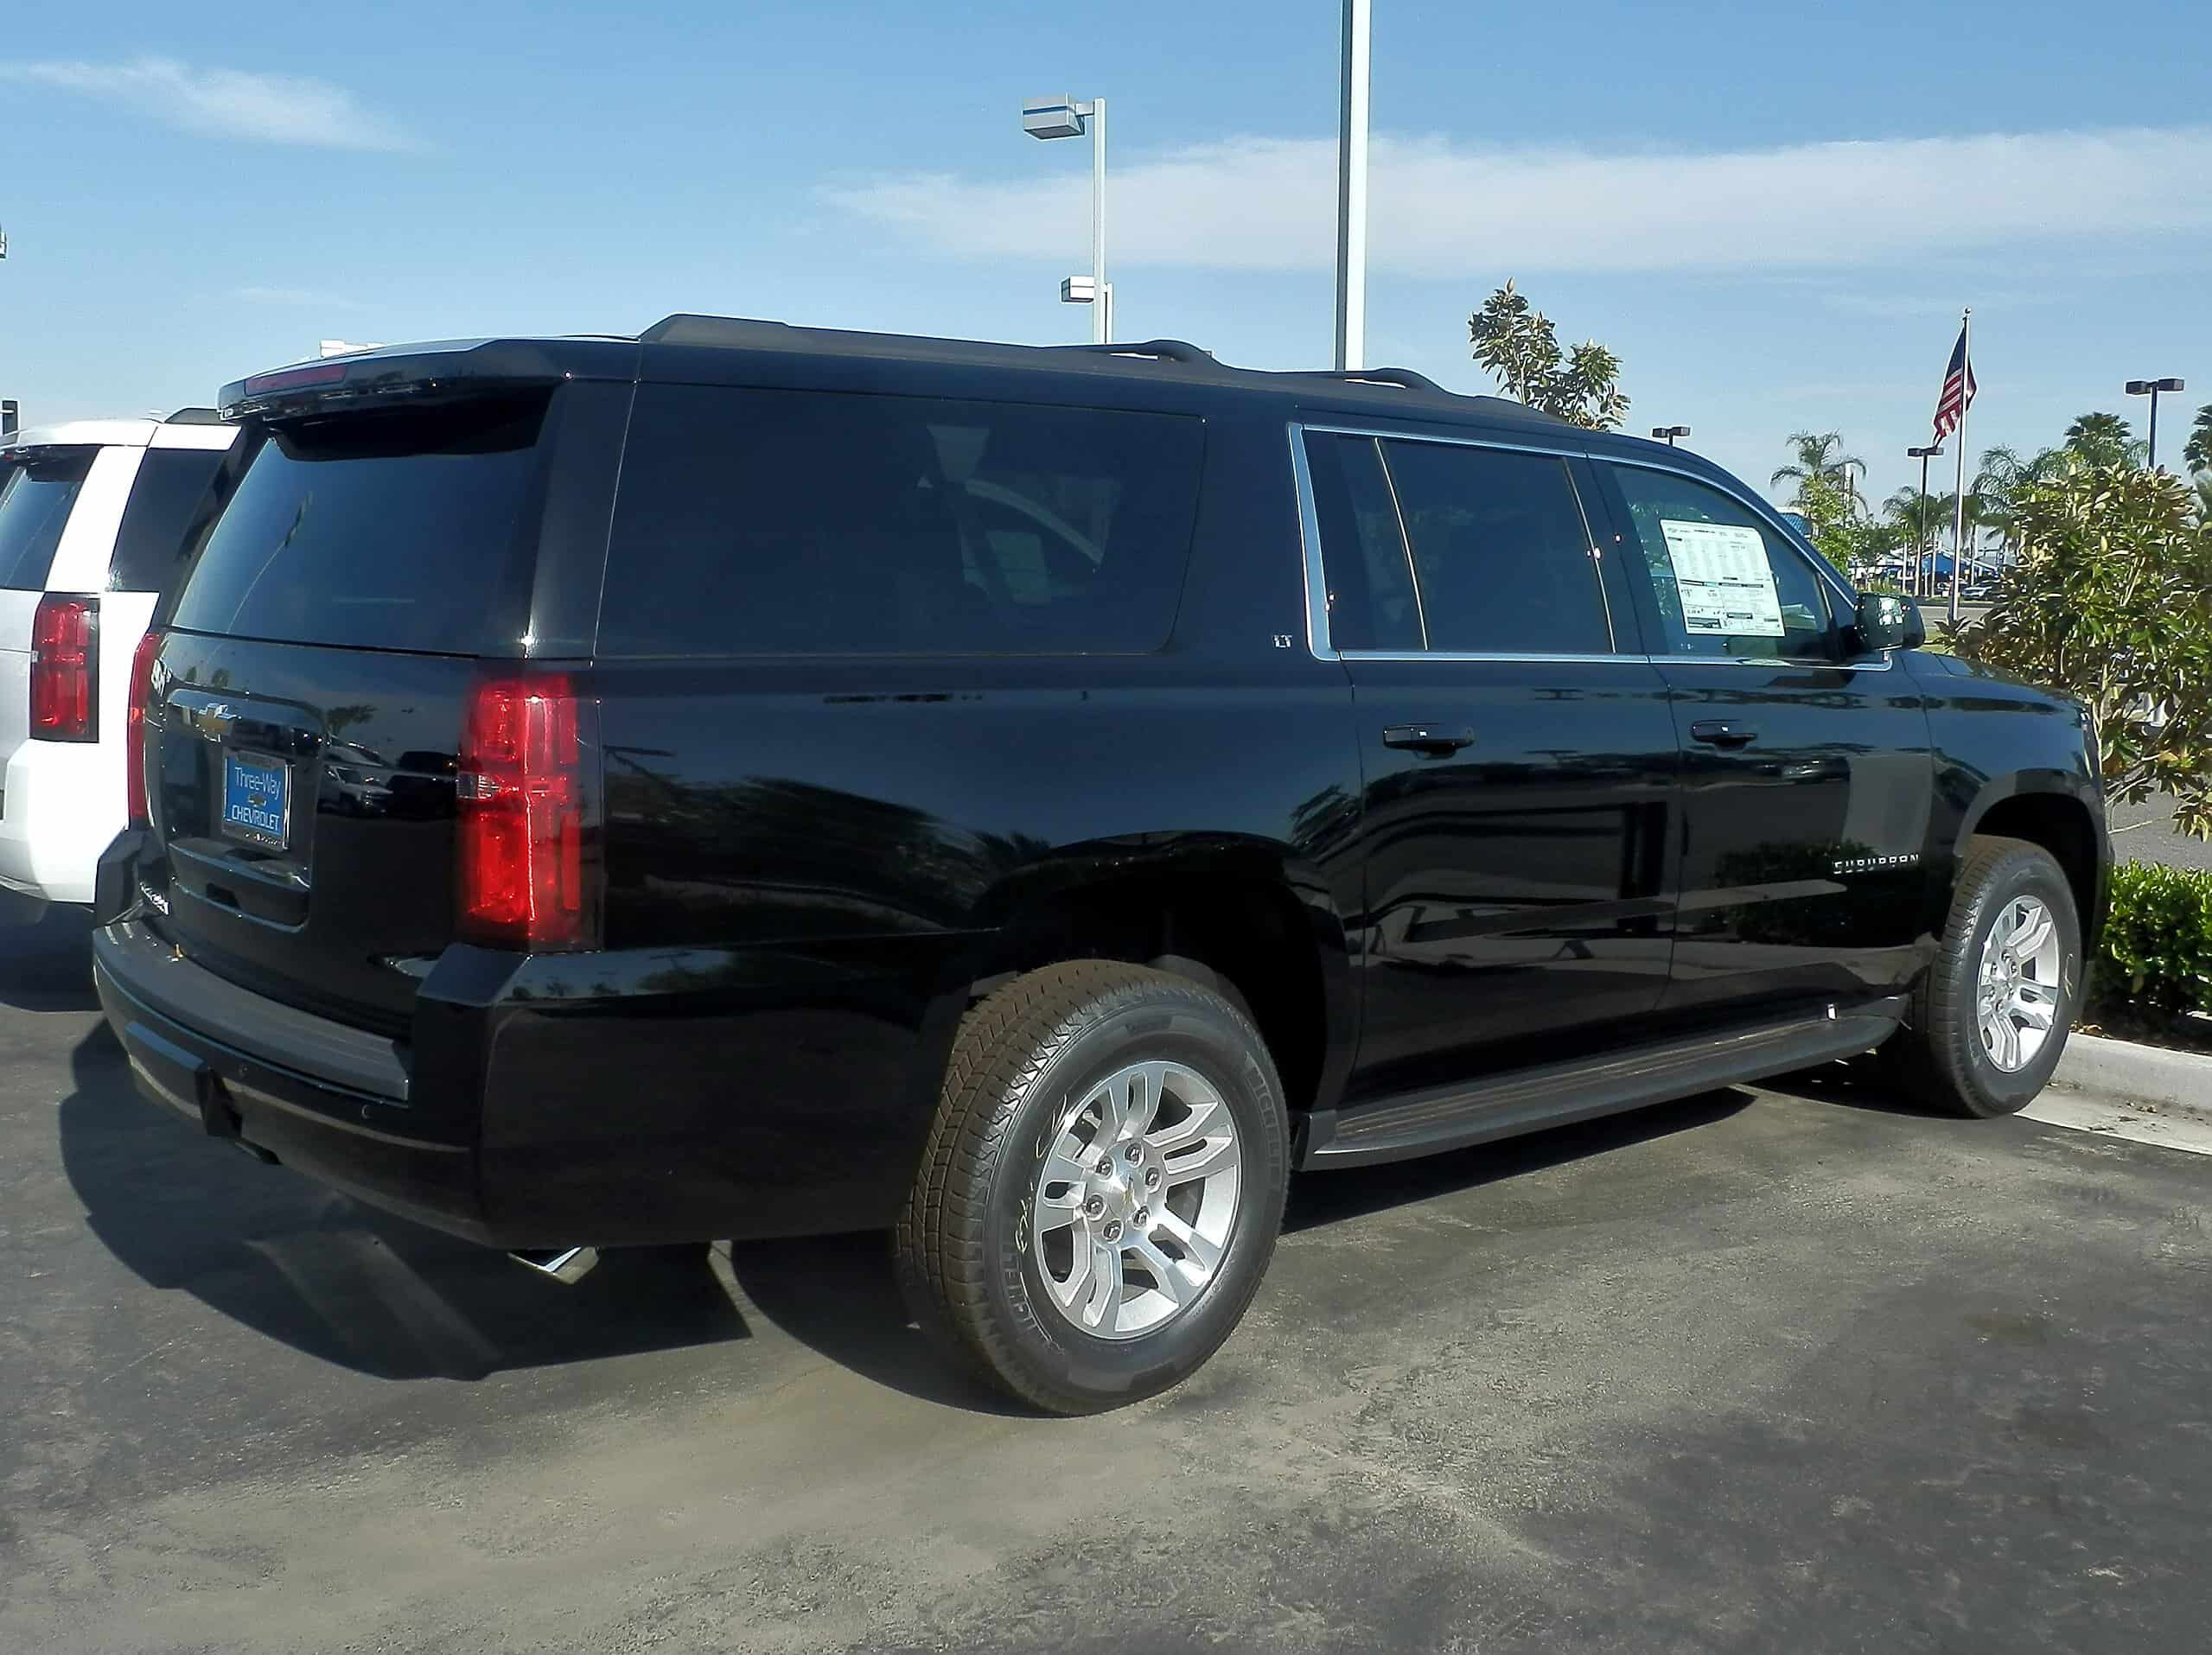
[{"x": 469, "y": 367}]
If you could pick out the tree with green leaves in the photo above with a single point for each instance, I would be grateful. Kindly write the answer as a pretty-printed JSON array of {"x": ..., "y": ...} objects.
[
  {"x": 1518, "y": 345},
  {"x": 2108, "y": 604},
  {"x": 1821, "y": 456},
  {"x": 2103, "y": 440},
  {"x": 2196, "y": 452},
  {"x": 2000, "y": 481},
  {"x": 1852, "y": 541},
  {"x": 1919, "y": 519}
]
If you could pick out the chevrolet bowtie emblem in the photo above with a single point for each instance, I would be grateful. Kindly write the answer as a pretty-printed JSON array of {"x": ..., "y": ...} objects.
[{"x": 213, "y": 721}]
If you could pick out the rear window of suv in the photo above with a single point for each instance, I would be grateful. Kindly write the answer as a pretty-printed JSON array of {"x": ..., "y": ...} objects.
[
  {"x": 36, "y": 496},
  {"x": 758, "y": 522},
  {"x": 169, "y": 484},
  {"x": 404, "y": 531}
]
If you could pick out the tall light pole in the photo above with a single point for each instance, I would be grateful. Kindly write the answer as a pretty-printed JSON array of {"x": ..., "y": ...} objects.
[
  {"x": 1352, "y": 191},
  {"x": 2151, "y": 388},
  {"x": 1666, "y": 434},
  {"x": 1064, "y": 117},
  {"x": 1920, "y": 517}
]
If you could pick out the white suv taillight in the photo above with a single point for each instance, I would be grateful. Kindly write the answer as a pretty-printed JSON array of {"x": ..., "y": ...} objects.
[
  {"x": 134, "y": 728},
  {"x": 523, "y": 803},
  {"x": 66, "y": 669}
]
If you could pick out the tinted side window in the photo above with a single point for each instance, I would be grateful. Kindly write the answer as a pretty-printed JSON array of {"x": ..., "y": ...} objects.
[
  {"x": 826, "y": 522},
  {"x": 35, "y": 498},
  {"x": 1725, "y": 584},
  {"x": 1501, "y": 551},
  {"x": 403, "y": 531},
  {"x": 1371, "y": 600},
  {"x": 147, "y": 547}
]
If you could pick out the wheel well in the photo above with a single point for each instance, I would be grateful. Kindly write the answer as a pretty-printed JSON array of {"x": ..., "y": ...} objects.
[
  {"x": 2061, "y": 826},
  {"x": 1251, "y": 940}
]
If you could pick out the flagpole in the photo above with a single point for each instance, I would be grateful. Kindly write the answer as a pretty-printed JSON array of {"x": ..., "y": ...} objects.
[{"x": 1959, "y": 498}]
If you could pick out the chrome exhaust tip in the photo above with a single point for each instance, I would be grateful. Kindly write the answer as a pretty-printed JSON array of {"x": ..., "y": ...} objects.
[{"x": 562, "y": 1263}]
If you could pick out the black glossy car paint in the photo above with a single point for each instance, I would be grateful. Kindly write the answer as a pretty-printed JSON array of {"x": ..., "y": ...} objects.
[{"x": 811, "y": 866}]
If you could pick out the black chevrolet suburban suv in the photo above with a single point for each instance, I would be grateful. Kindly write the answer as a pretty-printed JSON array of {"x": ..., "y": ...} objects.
[{"x": 747, "y": 781}]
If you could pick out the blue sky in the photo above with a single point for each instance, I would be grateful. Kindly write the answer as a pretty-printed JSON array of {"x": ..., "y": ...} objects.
[{"x": 1773, "y": 214}]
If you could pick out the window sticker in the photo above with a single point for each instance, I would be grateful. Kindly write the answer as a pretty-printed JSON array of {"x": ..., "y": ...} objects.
[{"x": 1727, "y": 585}]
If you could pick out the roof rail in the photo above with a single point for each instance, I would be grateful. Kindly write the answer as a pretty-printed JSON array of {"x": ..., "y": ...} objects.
[
  {"x": 686, "y": 328},
  {"x": 1405, "y": 379},
  {"x": 1164, "y": 350},
  {"x": 193, "y": 416}
]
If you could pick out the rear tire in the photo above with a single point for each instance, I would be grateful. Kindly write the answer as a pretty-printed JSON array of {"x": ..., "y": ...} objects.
[
  {"x": 1995, "y": 970},
  {"x": 1102, "y": 1186}
]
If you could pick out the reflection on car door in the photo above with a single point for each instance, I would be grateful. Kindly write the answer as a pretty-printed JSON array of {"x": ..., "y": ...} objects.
[
  {"x": 1518, "y": 770},
  {"x": 1807, "y": 768}
]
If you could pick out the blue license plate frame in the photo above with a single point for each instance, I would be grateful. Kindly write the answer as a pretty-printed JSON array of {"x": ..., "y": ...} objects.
[{"x": 258, "y": 799}]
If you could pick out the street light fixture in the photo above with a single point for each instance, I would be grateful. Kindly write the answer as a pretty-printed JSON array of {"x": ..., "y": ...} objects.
[
  {"x": 2151, "y": 388},
  {"x": 1920, "y": 549},
  {"x": 1065, "y": 118},
  {"x": 1666, "y": 434}
]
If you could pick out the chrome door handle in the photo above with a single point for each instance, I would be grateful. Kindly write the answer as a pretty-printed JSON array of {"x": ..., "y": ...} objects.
[{"x": 1433, "y": 740}]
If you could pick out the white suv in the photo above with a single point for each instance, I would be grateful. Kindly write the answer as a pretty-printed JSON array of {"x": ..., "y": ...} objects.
[{"x": 93, "y": 516}]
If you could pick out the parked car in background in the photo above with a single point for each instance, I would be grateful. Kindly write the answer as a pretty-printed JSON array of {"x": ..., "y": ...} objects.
[
  {"x": 748, "y": 780},
  {"x": 92, "y": 515}
]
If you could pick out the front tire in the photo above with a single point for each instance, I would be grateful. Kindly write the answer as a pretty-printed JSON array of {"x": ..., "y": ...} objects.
[
  {"x": 1989, "y": 1018},
  {"x": 1102, "y": 1186}
]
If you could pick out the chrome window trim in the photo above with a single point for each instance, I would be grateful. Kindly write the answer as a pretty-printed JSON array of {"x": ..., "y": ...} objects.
[
  {"x": 1577, "y": 451},
  {"x": 1494, "y": 655},
  {"x": 1317, "y": 578}
]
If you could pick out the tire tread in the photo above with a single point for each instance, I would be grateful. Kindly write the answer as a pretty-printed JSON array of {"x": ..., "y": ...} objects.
[{"x": 1006, "y": 1041}]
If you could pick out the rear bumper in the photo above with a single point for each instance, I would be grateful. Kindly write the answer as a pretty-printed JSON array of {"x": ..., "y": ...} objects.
[
  {"x": 60, "y": 802},
  {"x": 610, "y": 1099},
  {"x": 319, "y": 1096}
]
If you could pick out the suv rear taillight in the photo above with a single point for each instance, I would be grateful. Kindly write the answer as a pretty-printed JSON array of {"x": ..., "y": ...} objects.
[
  {"x": 66, "y": 669},
  {"x": 525, "y": 801},
  {"x": 134, "y": 727}
]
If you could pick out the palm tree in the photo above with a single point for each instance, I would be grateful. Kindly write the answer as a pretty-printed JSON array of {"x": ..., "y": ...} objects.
[
  {"x": 2104, "y": 440},
  {"x": 2196, "y": 452},
  {"x": 1916, "y": 516},
  {"x": 1820, "y": 454},
  {"x": 1918, "y": 523},
  {"x": 2001, "y": 479}
]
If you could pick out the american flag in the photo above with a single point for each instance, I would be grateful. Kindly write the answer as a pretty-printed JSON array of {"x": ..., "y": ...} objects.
[{"x": 1958, "y": 390}]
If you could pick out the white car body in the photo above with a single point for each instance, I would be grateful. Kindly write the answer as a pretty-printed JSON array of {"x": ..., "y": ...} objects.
[{"x": 62, "y": 802}]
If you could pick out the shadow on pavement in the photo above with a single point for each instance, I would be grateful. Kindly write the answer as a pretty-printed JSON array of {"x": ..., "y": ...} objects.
[
  {"x": 837, "y": 1297},
  {"x": 46, "y": 964},
  {"x": 1334, "y": 1197},
  {"x": 1857, "y": 1084},
  {"x": 349, "y": 1286},
  {"x": 337, "y": 1280}
]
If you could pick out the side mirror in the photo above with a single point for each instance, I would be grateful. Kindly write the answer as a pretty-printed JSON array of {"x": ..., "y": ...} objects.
[{"x": 1888, "y": 621}]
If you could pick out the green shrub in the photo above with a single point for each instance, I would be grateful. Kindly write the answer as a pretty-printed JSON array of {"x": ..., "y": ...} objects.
[{"x": 2156, "y": 956}]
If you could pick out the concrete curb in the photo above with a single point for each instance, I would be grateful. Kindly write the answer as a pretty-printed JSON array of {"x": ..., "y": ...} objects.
[{"x": 2145, "y": 1077}]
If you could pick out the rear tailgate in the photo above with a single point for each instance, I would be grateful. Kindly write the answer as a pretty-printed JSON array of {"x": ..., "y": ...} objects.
[
  {"x": 309, "y": 694},
  {"x": 38, "y": 492}
]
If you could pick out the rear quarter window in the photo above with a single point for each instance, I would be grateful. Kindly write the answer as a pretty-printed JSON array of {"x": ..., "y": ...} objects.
[
  {"x": 36, "y": 496},
  {"x": 150, "y": 545},
  {"x": 411, "y": 531},
  {"x": 755, "y": 522}
]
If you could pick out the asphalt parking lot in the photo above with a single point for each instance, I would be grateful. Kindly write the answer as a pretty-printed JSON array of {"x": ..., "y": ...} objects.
[{"x": 1774, "y": 1370}]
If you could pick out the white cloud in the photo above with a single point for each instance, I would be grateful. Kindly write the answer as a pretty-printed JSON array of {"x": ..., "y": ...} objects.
[
  {"x": 1441, "y": 210},
  {"x": 227, "y": 103}
]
